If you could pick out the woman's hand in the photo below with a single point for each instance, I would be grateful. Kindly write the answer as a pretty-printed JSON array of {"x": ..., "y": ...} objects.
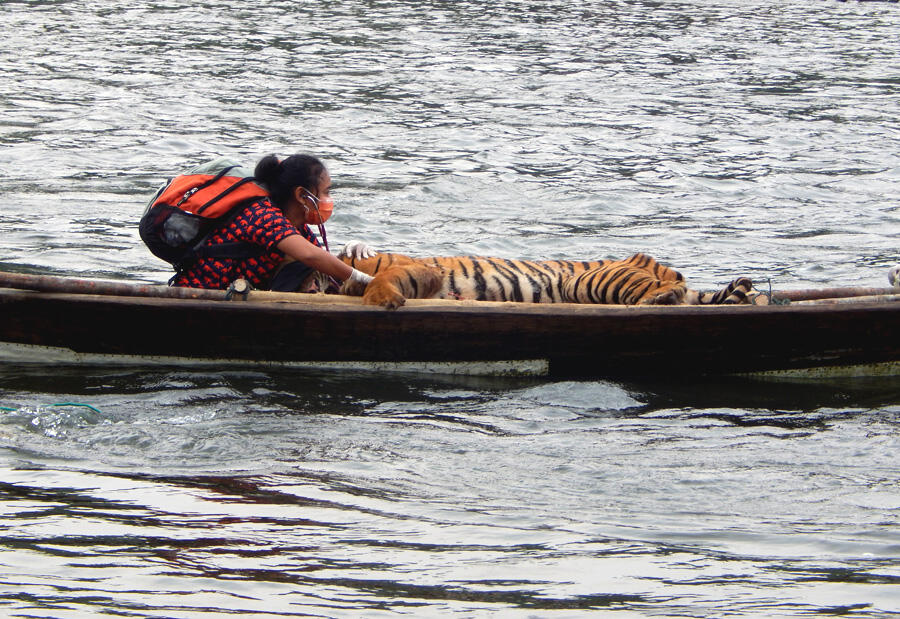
[{"x": 357, "y": 250}]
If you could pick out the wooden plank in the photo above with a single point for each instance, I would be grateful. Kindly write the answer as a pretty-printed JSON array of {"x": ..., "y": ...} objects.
[
  {"x": 809, "y": 294},
  {"x": 73, "y": 285},
  {"x": 879, "y": 298}
]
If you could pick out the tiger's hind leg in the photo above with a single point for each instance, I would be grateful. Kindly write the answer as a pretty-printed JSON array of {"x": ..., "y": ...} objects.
[
  {"x": 651, "y": 266},
  {"x": 739, "y": 291},
  {"x": 624, "y": 282}
]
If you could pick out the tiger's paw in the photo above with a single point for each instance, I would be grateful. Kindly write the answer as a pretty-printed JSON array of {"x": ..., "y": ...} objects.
[
  {"x": 674, "y": 296},
  {"x": 392, "y": 287},
  {"x": 387, "y": 297}
]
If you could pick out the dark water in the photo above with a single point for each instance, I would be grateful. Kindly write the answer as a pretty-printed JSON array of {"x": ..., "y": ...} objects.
[{"x": 726, "y": 138}]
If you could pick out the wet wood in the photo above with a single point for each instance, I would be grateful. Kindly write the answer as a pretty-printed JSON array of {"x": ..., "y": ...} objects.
[
  {"x": 809, "y": 294},
  {"x": 577, "y": 340},
  {"x": 50, "y": 283},
  {"x": 73, "y": 285},
  {"x": 876, "y": 298}
]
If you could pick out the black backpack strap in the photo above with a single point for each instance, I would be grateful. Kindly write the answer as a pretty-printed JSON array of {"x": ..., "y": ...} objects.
[
  {"x": 237, "y": 250},
  {"x": 240, "y": 183},
  {"x": 214, "y": 179}
]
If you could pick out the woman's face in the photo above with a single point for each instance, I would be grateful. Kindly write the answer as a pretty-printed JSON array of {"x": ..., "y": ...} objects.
[
  {"x": 297, "y": 210},
  {"x": 324, "y": 189},
  {"x": 321, "y": 206}
]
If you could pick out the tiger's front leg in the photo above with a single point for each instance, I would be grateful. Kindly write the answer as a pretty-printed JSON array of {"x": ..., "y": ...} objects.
[{"x": 393, "y": 286}]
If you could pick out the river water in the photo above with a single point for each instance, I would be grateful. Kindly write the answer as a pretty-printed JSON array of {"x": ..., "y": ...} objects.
[{"x": 742, "y": 137}]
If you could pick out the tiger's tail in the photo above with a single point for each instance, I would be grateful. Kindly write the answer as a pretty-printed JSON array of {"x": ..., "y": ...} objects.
[{"x": 736, "y": 292}]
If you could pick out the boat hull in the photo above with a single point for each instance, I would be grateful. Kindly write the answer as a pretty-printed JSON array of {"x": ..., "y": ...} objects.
[{"x": 563, "y": 340}]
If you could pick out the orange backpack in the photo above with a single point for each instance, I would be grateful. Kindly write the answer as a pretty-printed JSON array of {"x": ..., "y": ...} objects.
[{"x": 190, "y": 207}]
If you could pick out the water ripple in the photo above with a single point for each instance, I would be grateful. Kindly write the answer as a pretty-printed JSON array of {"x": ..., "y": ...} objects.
[{"x": 752, "y": 138}]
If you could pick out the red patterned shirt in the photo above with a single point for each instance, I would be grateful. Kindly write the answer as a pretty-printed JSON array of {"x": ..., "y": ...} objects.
[{"x": 260, "y": 224}]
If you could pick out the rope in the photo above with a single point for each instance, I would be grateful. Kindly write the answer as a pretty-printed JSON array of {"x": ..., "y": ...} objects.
[
  {"x": 10, "y": 410},
  {"x": 78, "y": 404},
  {"x": 772, "y": 299}
]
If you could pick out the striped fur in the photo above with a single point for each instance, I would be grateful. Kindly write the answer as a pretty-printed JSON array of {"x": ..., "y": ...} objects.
[
  {"x": 637, "y": 280},
  {"x": 395, "y": 284},
  {"x": 737, "y": 291},
  {"x": 480, "y": 278}
]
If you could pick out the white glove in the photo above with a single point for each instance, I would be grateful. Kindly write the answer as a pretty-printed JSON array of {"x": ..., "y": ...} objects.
[
  {"x": 894, "y": 276},
  {"x": 360, "y": 277},
  {"x": 357, "y": 250}
]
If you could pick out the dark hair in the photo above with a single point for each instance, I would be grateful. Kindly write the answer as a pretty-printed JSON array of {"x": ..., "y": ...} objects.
[{"x": 282, "y": 177}]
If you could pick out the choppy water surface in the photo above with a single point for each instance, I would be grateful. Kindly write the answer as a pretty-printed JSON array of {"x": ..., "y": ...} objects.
[{"x": 726, "y": 138}]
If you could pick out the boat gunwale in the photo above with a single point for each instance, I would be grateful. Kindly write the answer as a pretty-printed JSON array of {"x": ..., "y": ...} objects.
[{"x": 321, "y": 302}]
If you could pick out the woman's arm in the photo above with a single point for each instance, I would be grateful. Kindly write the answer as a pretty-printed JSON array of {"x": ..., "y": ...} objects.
[{"x": 300, "y": 249}]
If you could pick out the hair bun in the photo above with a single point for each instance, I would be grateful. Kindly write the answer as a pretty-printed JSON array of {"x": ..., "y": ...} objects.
[
  {"x": 267, "y": 169},
  {"x": 282, "y": 178}
]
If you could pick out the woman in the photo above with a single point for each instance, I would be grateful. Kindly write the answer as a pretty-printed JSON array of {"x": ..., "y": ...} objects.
[{"x": 286, "y": 252}]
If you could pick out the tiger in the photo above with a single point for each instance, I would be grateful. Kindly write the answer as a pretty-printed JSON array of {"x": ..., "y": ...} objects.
[{"x": 637, "y": 280}]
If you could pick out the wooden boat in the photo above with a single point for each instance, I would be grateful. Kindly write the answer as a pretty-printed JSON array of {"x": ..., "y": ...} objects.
[{"x": 49, "y": 319}]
